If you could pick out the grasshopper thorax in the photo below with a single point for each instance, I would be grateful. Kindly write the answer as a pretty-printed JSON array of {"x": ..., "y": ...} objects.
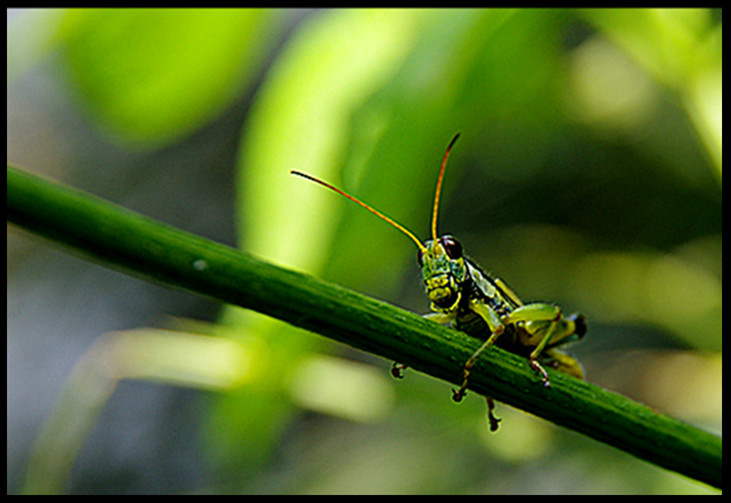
[{"x": 444, "y": 271}]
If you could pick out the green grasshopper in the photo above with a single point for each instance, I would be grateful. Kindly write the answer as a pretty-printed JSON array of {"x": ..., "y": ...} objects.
[{"x": 483, "y": 307}]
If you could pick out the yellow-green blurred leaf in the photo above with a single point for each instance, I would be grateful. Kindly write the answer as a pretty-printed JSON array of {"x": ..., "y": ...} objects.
[{"x": 150, "y": 76}]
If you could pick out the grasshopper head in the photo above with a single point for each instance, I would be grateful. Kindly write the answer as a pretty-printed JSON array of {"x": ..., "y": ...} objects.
[{"x": 444, "y": 271}]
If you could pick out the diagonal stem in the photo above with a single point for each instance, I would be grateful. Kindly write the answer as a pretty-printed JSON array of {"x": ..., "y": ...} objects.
[{"x": 154, "y": 251}]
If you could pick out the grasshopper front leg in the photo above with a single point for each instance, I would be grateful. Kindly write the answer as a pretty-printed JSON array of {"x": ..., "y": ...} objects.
[{"x": 497, "y": 327}]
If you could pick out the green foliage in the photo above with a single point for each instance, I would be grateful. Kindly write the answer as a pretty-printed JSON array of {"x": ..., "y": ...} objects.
[
  {"x": 151, "y": 76},
  {"x": 588, "y": 174}
]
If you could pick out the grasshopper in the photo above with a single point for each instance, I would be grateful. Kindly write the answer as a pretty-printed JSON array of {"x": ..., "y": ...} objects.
[{"x": 484, "y": 307}]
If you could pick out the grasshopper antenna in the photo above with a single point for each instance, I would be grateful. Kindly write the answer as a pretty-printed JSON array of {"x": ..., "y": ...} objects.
[
  {"x": 438, "y": 193},
  {"x": 364, "y": 205}
]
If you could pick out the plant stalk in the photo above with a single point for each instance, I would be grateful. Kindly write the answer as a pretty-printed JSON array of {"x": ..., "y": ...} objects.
[{"x": 122, "y": 239}]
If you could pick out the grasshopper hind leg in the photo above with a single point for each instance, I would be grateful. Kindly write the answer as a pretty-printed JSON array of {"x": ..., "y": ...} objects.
[{"x": 564, "y": 363}]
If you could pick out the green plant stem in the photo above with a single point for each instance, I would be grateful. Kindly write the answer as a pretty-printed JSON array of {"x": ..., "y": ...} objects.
[{"x": 123, "y": 239}]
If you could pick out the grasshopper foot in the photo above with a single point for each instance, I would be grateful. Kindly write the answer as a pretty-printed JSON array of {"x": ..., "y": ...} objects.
[
  {"x": 490, "y": 416},
  {"x": 458, "y": 395},
  {"x": 540, "y": 370},
  {"x": 397, "y": 370}
]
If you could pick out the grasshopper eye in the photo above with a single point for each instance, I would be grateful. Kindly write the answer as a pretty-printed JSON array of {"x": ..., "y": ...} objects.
[
  {"x": 451, "y": 246},
  {"x": 420, "y": 258}
]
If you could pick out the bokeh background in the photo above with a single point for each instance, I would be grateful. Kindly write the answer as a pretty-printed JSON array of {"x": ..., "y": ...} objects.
[{"x": 588, "y": 174}]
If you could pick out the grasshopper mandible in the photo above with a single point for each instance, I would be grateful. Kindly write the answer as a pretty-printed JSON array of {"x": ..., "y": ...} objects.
[{"x": 483, "y": 307}]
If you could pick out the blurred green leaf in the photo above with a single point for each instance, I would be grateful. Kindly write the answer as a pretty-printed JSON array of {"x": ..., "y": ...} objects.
[
  {"x": 153, "y": 75},
  {"x": 682, "y": 49}
]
